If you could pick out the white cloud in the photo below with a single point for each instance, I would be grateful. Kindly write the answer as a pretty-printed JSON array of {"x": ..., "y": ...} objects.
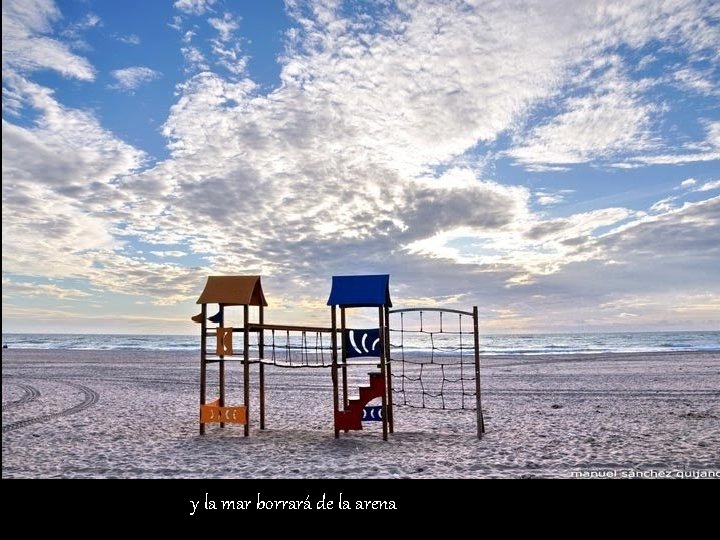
[
  {"x": 608, "y": 119},
  {"x": 194, "y": 7},
  {"x": 527, "y": 247},
  {"x": 713, "y": 134},
  {"x": 91, "y": 20},
  {"x": 194, "y": 58},
  {"x": 27, "y": 47},
  {"x": 75, "y": 30},
  {"x": 698, "y": 81},
  {"x": 131, "y": 39},
  {"x": 176, "y": 23},
  {"x": 688, "y": 183},
  {"x": 645, "y": 61},
  {"x": 664, "y": 270},
  {"x": 133, "y": 77},
  {"x": 11, "y": 288},
  {"x": 547, "y": 198},
  {"x": 702, "y": 151},
  {"x": 667, "y": 159},
  {"x": 707, "y": 186},
  {"x": 225, "y": 26},
  {"x": 663, "y": 205},
  {"x": 692, "y": 230},
  {"x": 160, "y": 283},
  {"x": 60, "y": 196},
  {"x": 169, "y": 253},
  {"x": 689, "y": 25},
  {"x": 613, "y": 116},
  {"x": 228, "y": 54}
]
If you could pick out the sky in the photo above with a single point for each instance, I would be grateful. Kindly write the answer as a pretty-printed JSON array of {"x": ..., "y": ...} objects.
[{"x": 554, "y": 162}]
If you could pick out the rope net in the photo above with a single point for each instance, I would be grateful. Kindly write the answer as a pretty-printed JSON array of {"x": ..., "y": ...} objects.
[
  {"x": 435, "y": 351},
  {"x": 294, "y": 348}
]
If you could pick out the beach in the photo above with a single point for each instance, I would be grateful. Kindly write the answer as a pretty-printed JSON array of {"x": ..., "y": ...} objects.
[{"x": 134, "y": 414}]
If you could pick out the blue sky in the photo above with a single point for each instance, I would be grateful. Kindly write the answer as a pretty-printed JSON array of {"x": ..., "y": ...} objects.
[{"x": 556, "y": 163}]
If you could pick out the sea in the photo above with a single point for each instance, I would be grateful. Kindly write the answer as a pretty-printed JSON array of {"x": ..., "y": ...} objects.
[{"x": 515, "y": 344}]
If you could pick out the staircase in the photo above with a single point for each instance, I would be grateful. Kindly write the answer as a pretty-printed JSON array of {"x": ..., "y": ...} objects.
[{"x": 351, "y": 418}]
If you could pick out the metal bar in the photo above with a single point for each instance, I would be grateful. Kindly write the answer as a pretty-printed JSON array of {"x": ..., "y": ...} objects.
[
  {"x": 478, "y": 401},
  {"x": 246, "y": 366},
  {"x": 406, "y": 310},
  {"x": 334, "y": 369},
  {"x": 203, "y": 367}
]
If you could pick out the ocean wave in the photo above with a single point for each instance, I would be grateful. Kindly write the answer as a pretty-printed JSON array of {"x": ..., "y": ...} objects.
[{"x": 520, "y": 345}]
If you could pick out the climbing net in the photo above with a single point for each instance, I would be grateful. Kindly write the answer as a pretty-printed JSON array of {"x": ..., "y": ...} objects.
[
  {"x": 292, "y": 347},
  {"x": 432, "y": 354}
]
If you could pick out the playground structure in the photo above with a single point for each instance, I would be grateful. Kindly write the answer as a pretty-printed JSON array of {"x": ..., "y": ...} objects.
[{"x": 436, "y": 352}]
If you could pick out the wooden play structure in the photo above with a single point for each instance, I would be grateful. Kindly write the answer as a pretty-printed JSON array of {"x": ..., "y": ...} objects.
[{"x": 438, "y": 360}]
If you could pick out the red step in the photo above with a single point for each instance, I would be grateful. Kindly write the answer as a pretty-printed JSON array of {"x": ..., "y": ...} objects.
[{"x": 351, "y": 418}]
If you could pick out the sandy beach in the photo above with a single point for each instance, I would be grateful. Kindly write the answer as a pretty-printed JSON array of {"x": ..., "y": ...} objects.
[{"x": 118, "y": 414}]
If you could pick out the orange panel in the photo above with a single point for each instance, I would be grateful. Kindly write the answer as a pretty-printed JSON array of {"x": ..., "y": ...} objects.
[
  {"x": 224, "y": 341},
  {"x": 230, "y": 415}
]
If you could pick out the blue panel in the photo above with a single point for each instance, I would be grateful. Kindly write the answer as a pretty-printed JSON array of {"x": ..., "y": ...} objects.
[
  {"x": 362, "y": 342},
  {"x": 360, "y": 291},
  {"x": 372, "y": 414}
]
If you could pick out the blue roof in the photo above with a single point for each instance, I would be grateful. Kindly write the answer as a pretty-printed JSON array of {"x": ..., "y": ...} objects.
[{"x": 360, "y": 291}]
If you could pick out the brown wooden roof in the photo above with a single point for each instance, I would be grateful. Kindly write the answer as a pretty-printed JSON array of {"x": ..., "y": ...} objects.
[{"x": 233, "y": 291}]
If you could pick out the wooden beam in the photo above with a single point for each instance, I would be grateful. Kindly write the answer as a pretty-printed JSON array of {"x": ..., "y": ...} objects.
[
  {"x": 246, "y": 366},
  {"x": 344, "y": 358},
  {"x": 478, "y": 401},
  {"x": 221, "y": 367},
  {"x": 388, "y": 382},
  {"x": 203, "y": 367},
  {"x": 261, "y": 355},
  {"x": 383, "y": 371},
  {"x": 333, "y": 316}
]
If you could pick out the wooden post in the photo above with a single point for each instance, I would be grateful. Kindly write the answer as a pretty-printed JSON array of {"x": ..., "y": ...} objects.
[
  {"x": 203, "y": 367},
  {"x": 383, "y": 372},
  {"x": 478, "y": 401},
  {"x": 333, "y": 340},
  {"x": 261, "y": 353},
  {"x": 221, "y": 366},
  {"x": 346, "y": 401},
  {"x": 246, "y": 366},
  {"x": 388, "y": 383}
]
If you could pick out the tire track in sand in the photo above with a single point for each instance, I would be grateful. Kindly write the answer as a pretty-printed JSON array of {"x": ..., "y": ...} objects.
[
  {"x": 90, "y": 398},
  {"x": 31, "y": 394}
]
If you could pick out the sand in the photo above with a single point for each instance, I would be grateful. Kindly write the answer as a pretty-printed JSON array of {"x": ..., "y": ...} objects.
[{"x": 118, "y": 414}]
